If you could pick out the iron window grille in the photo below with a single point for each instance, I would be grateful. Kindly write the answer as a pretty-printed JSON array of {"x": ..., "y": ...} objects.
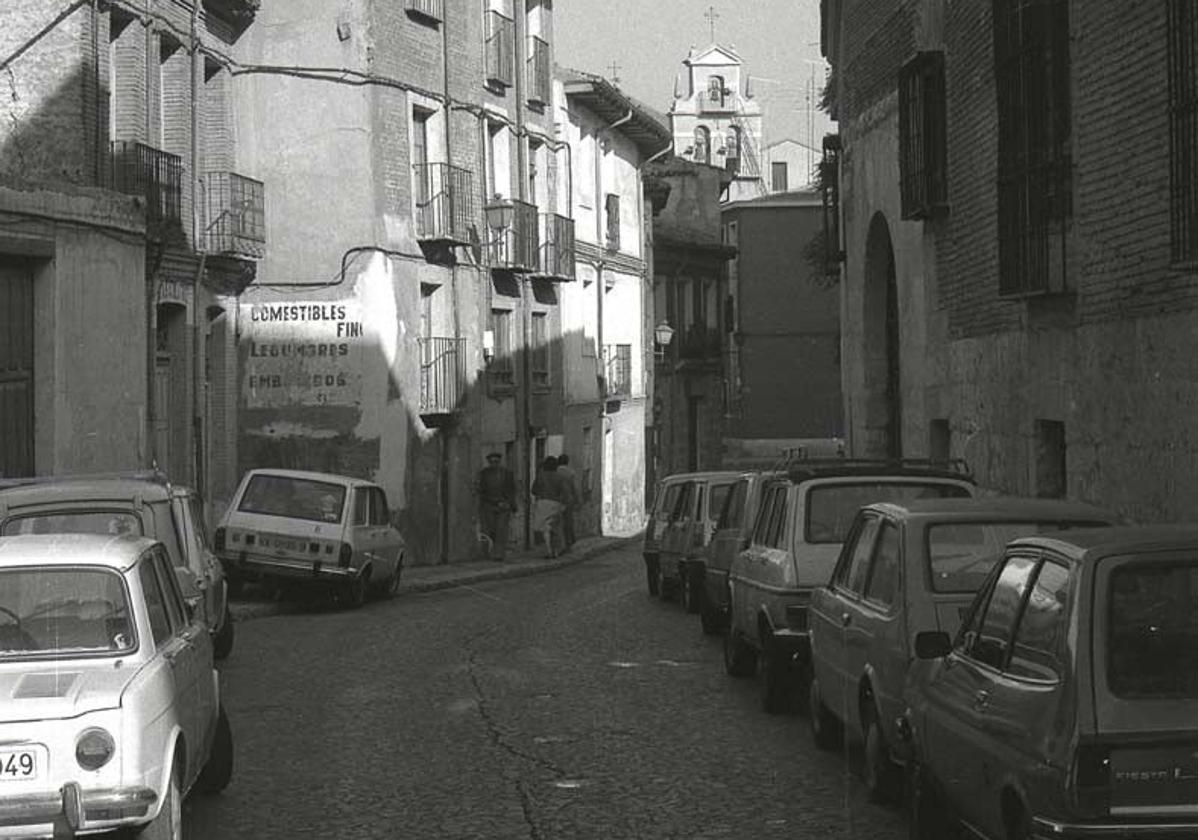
[
  {"x": 501, "y": 371},
  {"x": 1183, "y": 130},
  {"x": 612, "y": 206},
  {"x": 557, "y": 246},
  {"x": 618, "y": 370},
  {"x": 156, "y": 176},
  {"x": 829, "y": 179},
  {"x": 433, "y": 10},
  {"x": 538, "y": 71},
  {"x": 442, "y": 374},
  {"x": 236, "y": 215},
  {"x": 444, "y": 197},
  {"x": 1035, "y": 184},
  {"x": 501, "y": 48},
  {"x": 540, "y": 351},
  {"x": 922, "y": 136}
]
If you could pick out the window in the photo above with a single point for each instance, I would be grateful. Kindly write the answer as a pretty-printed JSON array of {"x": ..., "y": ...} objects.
[
  {"x": 732, "y": 150},
  {"x": 702, "y": 145},
  {"x": 160, "y": 625},
  {"x": 501, "y": 48},
  {"x": 540, "y": 349},
  {"x": 380, "y": 514},
  {"x": 778, "y": 176},
  {"x": 432, "y": 10},
  {"x": 172, "y": 596},
  {"x": 1183, "y": 129},
  {"x": 715, "y": 90},
  {"x": 1036, "y": 653},
  {"x": 499, "y": 158},
  {"x": 940, "y": 438},
  {"x": 831, "y": 508},
  {"x": 854, "y": 562},
  {"x": 1031, "y": 50},
  {"x": 961, "y": 554},
  {"x": 295, "y": 498},
  {"x": 993, "y": 638},
  {"x": 1152, "y": 635},
  {"x": 733, "y": 508},
  {"x": 884, "y": 571},
  {"x": 361, "y": 506},
  {"x": 769, "y": 518},
  {"x": 612, "y": 205},
  {"x": 1050, "y": 459},
  {"x": 922, "y": 152},
  {"x": 501, "y": 368},
  {"x": 420, "y": 159}
]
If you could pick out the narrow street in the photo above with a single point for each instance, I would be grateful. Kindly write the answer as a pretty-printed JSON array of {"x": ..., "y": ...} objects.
[{"x": 564, "y": 705}]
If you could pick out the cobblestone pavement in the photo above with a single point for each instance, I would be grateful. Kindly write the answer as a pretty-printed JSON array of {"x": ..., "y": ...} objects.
[{"x": 562, "y": 706}]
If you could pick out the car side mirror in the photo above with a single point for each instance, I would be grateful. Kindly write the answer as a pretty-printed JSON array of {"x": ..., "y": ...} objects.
[{"x": 932, "y": 644}]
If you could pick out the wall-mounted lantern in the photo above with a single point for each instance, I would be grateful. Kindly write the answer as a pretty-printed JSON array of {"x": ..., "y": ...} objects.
[
  {"x": 499, "y": 213},
  {"x": 488, "y": 346},
  {"x": 663, "y": 334}
]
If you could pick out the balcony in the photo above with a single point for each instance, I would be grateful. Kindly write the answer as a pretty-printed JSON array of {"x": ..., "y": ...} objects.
[
  {"x": 157, "y": 177},
  {"x": 444, "y": 203},
  {"x": 501, "y": 49},
  {"x": 617, "y": 366},
  {"x": 699, "y": 343},
  {"x": 433, "y": 10},
  {"x": 557, "y": 247},
  {"x": 235, "y": 220},
  {"x": 539, "y": 77},
  {"x": 442, "y": 375},
  {"x": 513, "y": 240}
]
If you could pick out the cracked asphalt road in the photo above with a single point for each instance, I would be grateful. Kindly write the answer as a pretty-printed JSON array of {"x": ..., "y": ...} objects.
[{"x": 563, "y": 706}]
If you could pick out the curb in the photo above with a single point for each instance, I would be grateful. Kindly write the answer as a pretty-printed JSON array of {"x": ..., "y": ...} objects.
[{"x": 264, "y": 609}]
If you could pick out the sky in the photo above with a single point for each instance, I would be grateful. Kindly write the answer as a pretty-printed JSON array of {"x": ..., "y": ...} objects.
[{"x": 778, "y": 40}]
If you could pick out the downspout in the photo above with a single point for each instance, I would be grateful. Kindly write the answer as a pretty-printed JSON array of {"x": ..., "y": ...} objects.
[
  {"x": 519, "y": 23},
  {"x": 197, "y": 385},
  {"x": 600, "y": 293},
  {"x": 445, "y": 433}
]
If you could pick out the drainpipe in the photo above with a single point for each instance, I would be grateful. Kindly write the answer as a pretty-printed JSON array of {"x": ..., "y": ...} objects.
[
  {"x": 528, "y": 468},
  {"x": 197, "y": 384},
  {"x": 446, "y": 455}
]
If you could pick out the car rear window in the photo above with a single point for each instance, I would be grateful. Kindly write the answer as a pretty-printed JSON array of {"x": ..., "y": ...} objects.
[
  {"x": 55, "y": 612},
  {"x": 74, "y": 522},
  {"x": 294, "y": 498},
  {"x": 961, "y": 554},
  {"x": 1152, "y": 630},
  {"x": 831, "y": 508}
]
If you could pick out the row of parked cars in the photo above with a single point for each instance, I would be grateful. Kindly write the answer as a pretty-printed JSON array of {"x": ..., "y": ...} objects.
[
  {"x": 114, "y": 607},
  {"x": 1016, "y": 668}
]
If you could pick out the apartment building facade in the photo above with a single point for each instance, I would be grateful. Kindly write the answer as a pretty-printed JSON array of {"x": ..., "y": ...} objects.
[
  {"x": 1017, "y": 189},
  {"x": 407, "y": 323},
  {"x": 128, "y": 234}
]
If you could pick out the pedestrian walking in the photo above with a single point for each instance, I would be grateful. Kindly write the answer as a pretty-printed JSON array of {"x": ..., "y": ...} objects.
[
  {"x": 497, "y": 503},
  {"x": 549, "y": 493},
  {"x": 570, "y": 480}
]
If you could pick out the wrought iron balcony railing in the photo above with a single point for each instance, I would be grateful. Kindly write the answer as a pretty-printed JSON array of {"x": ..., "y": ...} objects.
[
  {"x": 156, "y": 176},
  {"x": 557, "y": 247},
  {"x": 617, "y": 365},
  {"x": 539, "y": 76},
  {"x": 235, "y": 223},
  {"x": 699, "y": 342},
  {"x": 515, "y": 247},
  {"x": 501, "y": 49},
  {"x": 444, "y": 203},
  {"x": 431, "y": 9},
  {"x": 442, "y": 374}
]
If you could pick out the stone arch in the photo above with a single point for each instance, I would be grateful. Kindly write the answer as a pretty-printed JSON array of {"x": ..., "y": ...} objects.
[{"x": 881, "y": 338}]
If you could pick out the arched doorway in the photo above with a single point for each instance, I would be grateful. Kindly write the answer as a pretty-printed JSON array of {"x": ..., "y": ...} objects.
[
  {"x": 880, "y": 322},
  {"x": 171, "y": 451}
]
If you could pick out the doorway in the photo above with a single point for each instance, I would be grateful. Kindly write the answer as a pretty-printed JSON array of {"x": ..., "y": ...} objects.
[
  {"x": 16, "y": 369},
  {"x": 882, "y": 341}
]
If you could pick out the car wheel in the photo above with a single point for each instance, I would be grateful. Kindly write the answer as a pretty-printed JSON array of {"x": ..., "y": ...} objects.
[
  {"x": 168, "y": 825},
  {"x": 928, "y": 817},
  {"x": 652, "y": 575},
  {"x": 710, "y": 618},
  {"x": 880, "y": 774},
  {"x": 218, "y": 769},
  {"x": 222, "y": 643},
  {"x": 353, "y": 592},
  {"x": 740, "y": 659},
  {"x": 825, "y": 728},
  {"x": 776, "y": 682}
]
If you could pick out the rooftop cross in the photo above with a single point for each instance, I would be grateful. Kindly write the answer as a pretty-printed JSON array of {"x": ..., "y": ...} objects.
[
  {"x": 712, "y": 16},
  {"x": 615, "y": 73}
]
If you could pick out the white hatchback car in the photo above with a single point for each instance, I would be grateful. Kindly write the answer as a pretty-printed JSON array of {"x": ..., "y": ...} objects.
[
  {"x": 109, "y": 703},
  {"x": 289, "y": 526}
]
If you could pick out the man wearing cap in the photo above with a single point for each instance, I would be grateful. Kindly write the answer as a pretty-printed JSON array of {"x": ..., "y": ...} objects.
[{"x": 497, "y": 502}]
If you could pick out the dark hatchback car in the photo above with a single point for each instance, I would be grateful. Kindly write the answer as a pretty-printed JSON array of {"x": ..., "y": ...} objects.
[{"x": 1067, "y": 706}]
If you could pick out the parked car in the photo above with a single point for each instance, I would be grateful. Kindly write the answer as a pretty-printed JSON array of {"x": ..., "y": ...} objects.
[
  {"x": 143, "y": 503},
  {"x": 289, "y": 526},
  {"x": 905, "y": 568},
  {"x": 109, "y": 703},
  {"x": 687, "y": 534},
  {"x": 1066, "y": 705},
  {"x": 674, "y": 501},
  {"x": 801, "y": 522},
  {"x": 734, "y": 524}
]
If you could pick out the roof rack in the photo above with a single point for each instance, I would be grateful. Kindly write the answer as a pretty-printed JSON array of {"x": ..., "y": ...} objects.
[{"x": 798, "y": 466}]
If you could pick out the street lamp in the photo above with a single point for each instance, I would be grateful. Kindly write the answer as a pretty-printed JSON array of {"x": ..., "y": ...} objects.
[
  {"x": 663, "y": 333},
  {"x": 499, "y": 213}
]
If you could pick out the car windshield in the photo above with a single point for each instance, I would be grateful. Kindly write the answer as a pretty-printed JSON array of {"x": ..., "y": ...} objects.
[
  {"x": 74, "y": 522},
  {"x": 831, "y": 508},
  {"x": 53, "y": 612},
  {"x": 295, "y": 498},
  {"x": 1152, "y": 630},
  {"x": 961, "y": 554}
]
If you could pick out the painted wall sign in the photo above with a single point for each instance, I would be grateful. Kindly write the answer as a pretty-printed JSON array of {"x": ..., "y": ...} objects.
[{"x": 302, "y": 353}]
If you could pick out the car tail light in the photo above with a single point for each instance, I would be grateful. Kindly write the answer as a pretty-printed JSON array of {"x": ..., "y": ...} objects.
[
  {"x": 347, "y": 554},
  {"x": 218, "y": 539},
  {"x": 94, "y": 748},
  {"x": 1092, "y": 777}
]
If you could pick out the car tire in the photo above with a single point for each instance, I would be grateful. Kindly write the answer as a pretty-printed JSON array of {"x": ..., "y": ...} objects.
[
  {"x": 218, "y": 769},
  {"x": 692, "y": 589},
  {"x": 392, "y": 587},
  {"x": 777, "y": 684},
  {"x": 168, "y": 825},
  {"x": 878, "y": 771},
  {"x": 710, "y": 617},
  {"x": 740, "y": 659},
  {"x": 222, "y": 643},
  {"x": 353, "y": 591},
  {"x": 652, "y": 576},
  {"x": 825, "y": 728},
  {"x": 928, "y": 817}
]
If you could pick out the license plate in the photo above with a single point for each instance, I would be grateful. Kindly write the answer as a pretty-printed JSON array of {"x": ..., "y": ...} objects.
[
  {"x": 19, "y": 765},
  {"x": 279, "y": 542}
]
